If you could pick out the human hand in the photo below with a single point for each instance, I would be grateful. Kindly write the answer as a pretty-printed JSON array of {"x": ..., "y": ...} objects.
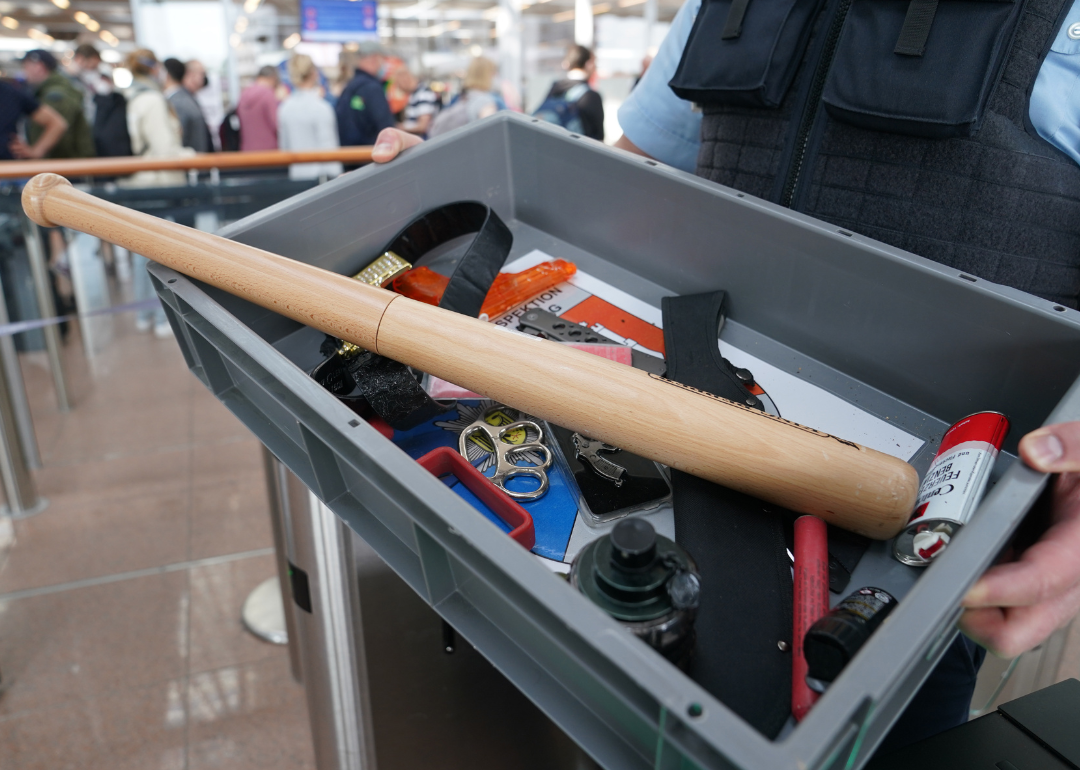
[
  {"x": 390, "y": 142},
  {"x": 22, "y": 150},
  {"x": 1016, "y": 605}
]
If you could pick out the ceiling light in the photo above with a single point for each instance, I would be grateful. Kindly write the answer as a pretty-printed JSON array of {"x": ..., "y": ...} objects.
[
  {"x": 241, "y": 24},
  {"x": 38, "y": 35},
  {"x": 601, "y": 8},
  {"x": 81, "y": 16},
  {"x": 291, "y": 40},
  {"x": 109, "y": 38},
  {"x": 92, "y": 25},
  {"x": 563, "y": 16},
  {"x": 121, "y": 76},
  {"x": 9, "y": 22},
  {"x": 110, "y": 55},
  {"x": 628, "y": 3},
  {"x": 476, "y": 51},
  {"x": 251, "y": 5},
  {"x": 62, "y": 4}
]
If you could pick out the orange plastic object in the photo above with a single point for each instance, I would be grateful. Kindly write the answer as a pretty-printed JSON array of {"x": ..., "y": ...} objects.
[{"x": 507, "y": 292}]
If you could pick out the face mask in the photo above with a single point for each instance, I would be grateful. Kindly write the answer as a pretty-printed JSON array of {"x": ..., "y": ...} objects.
[{"x": 384, "y": 70}]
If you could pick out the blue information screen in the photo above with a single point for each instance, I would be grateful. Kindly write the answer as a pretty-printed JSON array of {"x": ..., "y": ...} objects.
[{"x": 338, "y": 21}]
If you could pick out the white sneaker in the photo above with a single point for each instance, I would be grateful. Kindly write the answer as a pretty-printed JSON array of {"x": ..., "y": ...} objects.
[
  {"x": 163, "y": 330},
  {"x": 143, "y": 324}
]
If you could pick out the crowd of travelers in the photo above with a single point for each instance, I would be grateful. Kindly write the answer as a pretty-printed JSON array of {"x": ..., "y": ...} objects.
[{"x": 84, "y": 107}]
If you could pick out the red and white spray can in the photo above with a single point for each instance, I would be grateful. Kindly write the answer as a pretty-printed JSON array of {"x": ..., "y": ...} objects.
[{"x": 952, "y": 487}]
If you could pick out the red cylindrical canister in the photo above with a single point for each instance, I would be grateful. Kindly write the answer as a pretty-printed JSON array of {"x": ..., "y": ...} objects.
[
  {"x": 811, "y": 601},
  {"x": 953, "y": 486}
]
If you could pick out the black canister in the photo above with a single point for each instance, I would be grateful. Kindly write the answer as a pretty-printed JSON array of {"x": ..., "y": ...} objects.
[
  {"x": 835, "y": 638},
  {"x": 646, "y": 582}
]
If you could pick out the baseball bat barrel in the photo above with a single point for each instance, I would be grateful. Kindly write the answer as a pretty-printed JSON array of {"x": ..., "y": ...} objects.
[{"x": 793, "y": 466}]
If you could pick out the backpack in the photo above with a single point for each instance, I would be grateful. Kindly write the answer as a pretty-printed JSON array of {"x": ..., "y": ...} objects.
[
  {"x": 563, "y": 110},
  {"x": 229, "y": 133},
  {"x": 454, "y": 116},
  {"x": 111, "y": 138}
]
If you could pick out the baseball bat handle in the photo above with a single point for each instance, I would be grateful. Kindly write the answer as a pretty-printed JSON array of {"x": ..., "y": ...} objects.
[{"x": 799, "y": 468}]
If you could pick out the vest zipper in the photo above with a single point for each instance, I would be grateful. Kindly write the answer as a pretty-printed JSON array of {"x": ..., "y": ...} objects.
[{"x": 813, "y": 103}]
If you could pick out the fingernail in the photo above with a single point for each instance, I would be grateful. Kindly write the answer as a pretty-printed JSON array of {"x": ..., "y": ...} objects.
[
  {"x": 975, "y": 596},
  {"x": 1046, "y": 449}
]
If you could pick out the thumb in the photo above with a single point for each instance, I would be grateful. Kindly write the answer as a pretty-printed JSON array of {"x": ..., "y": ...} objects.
[
  {"x": 1053, "y": 449},
  {"x": 387, "y": 146}
]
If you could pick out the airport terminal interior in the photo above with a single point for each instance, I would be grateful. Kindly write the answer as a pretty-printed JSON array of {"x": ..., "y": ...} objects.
[{"x": 220, "y": 547}]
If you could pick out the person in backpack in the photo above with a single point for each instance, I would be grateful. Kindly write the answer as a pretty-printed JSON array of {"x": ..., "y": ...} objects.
[
  {"x": 475, "y": 102},
  {"x": 362, "y": 109},
  {"x": 51, "y": 88},
  {"x": 208, "y": 97},
  {"x": 105, "y": 107},
  {"x": 17, "y": 107},
  {"x": 571, "y": 102}
]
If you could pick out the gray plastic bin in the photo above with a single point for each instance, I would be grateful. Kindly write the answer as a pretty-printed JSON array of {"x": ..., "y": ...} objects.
[{"x": 903, "y": 337}]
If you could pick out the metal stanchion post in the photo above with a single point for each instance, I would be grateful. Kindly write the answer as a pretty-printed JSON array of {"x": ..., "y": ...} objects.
[
  {"x": 265, "y": 613},
  {"x": 35, "y": 249},
  {"x": 20, "y": 405},
  {"x": 22, "y": 497}
]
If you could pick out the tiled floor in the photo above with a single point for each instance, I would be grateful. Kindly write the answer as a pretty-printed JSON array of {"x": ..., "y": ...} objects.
[{"x": 120, "y": 637}]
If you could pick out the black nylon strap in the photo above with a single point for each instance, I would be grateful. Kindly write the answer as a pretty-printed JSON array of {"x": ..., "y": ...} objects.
[
  {"x": 734, "y": 20},
  {"x": 476, "y": 270},
  {"x": 739, "y": 545},
  {"x": 916, "y": 28}
]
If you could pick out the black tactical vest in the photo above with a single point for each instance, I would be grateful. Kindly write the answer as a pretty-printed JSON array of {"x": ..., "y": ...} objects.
[{"x": 999, "y": 203}]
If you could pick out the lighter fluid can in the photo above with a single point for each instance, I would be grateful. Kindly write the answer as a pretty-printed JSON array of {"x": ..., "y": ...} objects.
[{"x": 953, "y": 486}]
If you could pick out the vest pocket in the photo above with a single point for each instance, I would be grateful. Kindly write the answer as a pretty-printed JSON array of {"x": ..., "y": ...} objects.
[
  {"x": 920, "y": 67},
  {"x": 744, "y": 52}
]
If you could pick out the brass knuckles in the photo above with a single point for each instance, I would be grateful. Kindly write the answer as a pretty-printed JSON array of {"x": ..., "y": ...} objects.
[
  {"x": 348, "y": 350},
  {"x": 383, "y": 270},
  {"x": 504, "y": 454}
]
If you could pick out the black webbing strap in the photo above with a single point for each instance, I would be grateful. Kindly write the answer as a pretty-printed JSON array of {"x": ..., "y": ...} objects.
[
  {"x": 734, "y": 20},
  {"x": 476, "y": 270},
  {"x": 916, "y": 29}
]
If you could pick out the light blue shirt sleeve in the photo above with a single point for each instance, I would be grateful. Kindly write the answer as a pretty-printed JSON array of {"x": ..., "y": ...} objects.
[
  {"x": 1055, "y": 99},
  {"x": 653, "y": 117}
]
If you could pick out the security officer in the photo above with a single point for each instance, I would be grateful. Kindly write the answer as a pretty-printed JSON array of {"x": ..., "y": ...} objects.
[
  {"x": 362, "y": 110},
  {"x": 870, "y": 137},
  {"x": 52, "y": 89}
]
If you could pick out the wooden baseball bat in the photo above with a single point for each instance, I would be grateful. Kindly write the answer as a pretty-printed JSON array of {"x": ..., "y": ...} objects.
[{"x": 790, "y": 465}]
